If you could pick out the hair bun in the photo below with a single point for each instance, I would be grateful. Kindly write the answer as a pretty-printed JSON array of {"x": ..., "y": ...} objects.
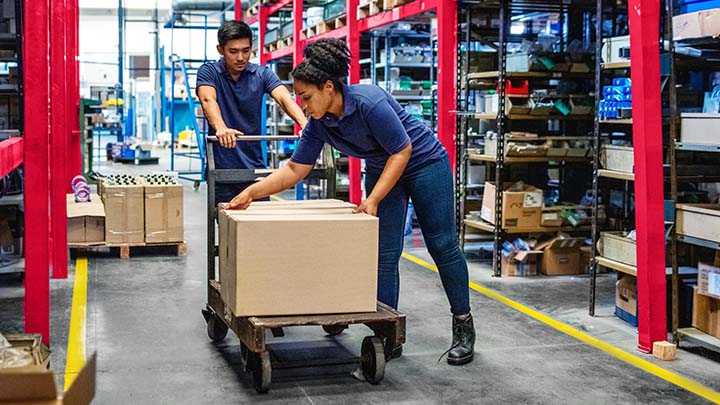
[{"x": 330, "y": 55}]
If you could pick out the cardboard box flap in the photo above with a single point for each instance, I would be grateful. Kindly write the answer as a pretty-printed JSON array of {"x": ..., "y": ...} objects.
[
  {"x": 30, "y": 386},
  {"x": 89, "y": 209},
  {"x": 523, "y": 255},
  {"x": 560, "y": 243},
  {"x": 82, "y": 390}
]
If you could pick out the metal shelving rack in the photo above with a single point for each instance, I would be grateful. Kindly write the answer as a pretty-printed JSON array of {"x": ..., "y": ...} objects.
[
  {"x": 500, "y": 162},
  {"x": 677, "y": 63}
]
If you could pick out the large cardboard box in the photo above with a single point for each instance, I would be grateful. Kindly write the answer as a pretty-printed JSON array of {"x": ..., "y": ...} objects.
[
  {"x": 164, "y": 213},
  {"x": 521, "y": 263},
  {"x": 699, "y": 221},
  {"x": 700, "y": 128},
  {"x": 706, "y": 313},
  {"x": 709, "y": 280},
  {"x": 86, "y": 221},
  {"x": 561, "y": 256},
  {"x": 295, "y": 264},
  {"x": 626, "y": 295},
  {"x": 124, "y": 214},
  {"x": 520, "y": 209},
  {"x": 688, "y": 25},
  {"x": 301, "y": 204}
]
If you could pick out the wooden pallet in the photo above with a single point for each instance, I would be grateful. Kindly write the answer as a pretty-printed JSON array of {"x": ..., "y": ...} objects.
[
  {"x": 369, "y": 8},
  {"x": 326, "y": 26},
  {"x": 124, "y": 248},
  {"x": 391, "y": 4}
]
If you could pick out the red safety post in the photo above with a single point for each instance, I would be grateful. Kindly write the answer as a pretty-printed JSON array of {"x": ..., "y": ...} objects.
[
  {"x": 298, "y": 43},
  {"x": 262, "y": 21},
  {"x": 73, "y": 155},
  {"x": 238, "y": 10},
  {"x": 353, "y": 40},
  {"x": 58, "y": 129},
  {"x": 648, "y": 155},
  {"x": 447, "y": 74},
  {"x": 36, "y": 73}
]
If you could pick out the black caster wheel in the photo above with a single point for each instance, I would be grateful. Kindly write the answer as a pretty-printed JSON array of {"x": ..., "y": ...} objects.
[
  {"x": 334, "y": 330},
  {"x": 196, "y": 185},
  {"x": 246, "y": 357},
  {"x": 216, "y": 329},
  {"x": 262, "y": 372},
  {"x": 372, "y": 359}
]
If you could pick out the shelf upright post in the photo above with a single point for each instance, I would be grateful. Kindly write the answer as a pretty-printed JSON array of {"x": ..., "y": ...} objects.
[
  {"x": 674, "y": 125},
  {"x": 596, "y": 155},
  {"x": 262, "y": 27},
  {"x": 648, "y": 152},
  {"x": 461, "y": 141},
  {"x": 58, "y": 84},
  {"x": 500, "y": 153},
  {"x": 238, "y": 10},
  {"x": 353, "y": 40},
  {"x": 36, "y": 65},
  {"x": 447, "y": 18},
  {"x": 72, "y": 153}
]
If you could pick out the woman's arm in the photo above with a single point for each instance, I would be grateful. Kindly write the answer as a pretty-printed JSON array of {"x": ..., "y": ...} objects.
[
  {"x": 394, "y": 168},
  {"x": 282, "y": 179}
]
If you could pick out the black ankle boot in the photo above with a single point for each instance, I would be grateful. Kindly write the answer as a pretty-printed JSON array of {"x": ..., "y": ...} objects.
[{"x": 463, "y": 346}]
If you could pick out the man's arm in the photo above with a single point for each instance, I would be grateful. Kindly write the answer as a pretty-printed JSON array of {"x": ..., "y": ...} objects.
[
  {"x": 208, "y": 100},
  {"x": 282, "y": 96}
]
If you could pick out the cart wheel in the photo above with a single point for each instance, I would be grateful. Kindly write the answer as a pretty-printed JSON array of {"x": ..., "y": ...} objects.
[
  {"x": 372, "y": 358},
  {"x": 334, "y": 330},
  {"x": 262, "y": 373},
  {"x": 216, "y": 329},
  {"x": 196, "y": 185}
]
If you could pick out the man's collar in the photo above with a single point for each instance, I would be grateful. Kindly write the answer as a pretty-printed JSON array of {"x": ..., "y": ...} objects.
[{"x": 222, "y": 69}]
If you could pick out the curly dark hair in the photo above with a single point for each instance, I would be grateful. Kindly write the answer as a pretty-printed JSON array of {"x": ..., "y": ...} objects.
[{"x": 325, "y": 59}]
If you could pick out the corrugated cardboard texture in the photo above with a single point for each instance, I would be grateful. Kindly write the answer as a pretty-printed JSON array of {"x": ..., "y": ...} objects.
[
  {"x": 709, "y": 280},
  {"x": 164, "y": 214},
  {"x": 86, "y": 221},
  {"x": 124, "y": 214},
  {"x": 626, "y": 294},
  {"x": 706, "y": 313},
  {"x": 699, "y": 221},
  {"x": 280, "y": 264},
  {"x": 524, "y": 263},
  {"x": 300, "y": 204},
  {"x": 520, "y": 209}
]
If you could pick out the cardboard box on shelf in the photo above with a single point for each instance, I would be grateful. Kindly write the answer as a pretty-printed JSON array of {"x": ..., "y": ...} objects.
[
  {"x": 124, "y": 214},
  {"x": 561, "y": 256},
  {"x": 617, "y": 158},
  {"x": 699, "y": 221},
  {"x": 616, "y": 246},
  {"x": 86, "y": 220},
  {"x": 706, "y": 313},
  {"x": 551, "y": 219},
  {"x": 520, "y": 263},
  {"x": 709, "y": 280},
  {"x": 700, "y": 128},
  {"x": 711, "y": 22},
  {"x": 335, "y": 271},
  {"x": 626, "y": 299},
  {"x": 520, "y": 209},
  {"x": 164, "y": 213},
  {"x": 689, "y": 25}
]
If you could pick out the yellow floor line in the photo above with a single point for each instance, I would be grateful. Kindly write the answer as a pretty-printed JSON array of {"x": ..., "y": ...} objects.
[
  {"x": 636, "y": 361},
  {"x": 76, "y": 337}
]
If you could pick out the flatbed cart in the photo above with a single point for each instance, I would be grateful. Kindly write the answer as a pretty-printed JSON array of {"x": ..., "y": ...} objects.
[{"x": 387, "y": 324}]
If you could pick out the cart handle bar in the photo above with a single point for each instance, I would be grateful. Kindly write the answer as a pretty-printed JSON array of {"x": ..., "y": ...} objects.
[{"x": 259, "y": 138}]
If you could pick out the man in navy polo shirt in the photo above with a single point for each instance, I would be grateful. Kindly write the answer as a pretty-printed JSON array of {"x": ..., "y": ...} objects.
[{"x": 231, "y": 92}]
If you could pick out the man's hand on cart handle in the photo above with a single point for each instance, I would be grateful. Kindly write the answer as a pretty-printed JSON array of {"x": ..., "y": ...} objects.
[{"x": 227, "y": 137}]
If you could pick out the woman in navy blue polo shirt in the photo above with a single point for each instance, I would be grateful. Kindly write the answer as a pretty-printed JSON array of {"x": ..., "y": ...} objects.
[{"x": 403, "y": 160}]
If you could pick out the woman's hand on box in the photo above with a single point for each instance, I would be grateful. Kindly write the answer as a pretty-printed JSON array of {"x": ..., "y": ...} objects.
[{"x": 369, "y": 206}]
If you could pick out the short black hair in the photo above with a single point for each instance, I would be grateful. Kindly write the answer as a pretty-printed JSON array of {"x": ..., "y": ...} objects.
[
  {"x": 231, "y": 30},
  {"x": 325, "y": 59}
]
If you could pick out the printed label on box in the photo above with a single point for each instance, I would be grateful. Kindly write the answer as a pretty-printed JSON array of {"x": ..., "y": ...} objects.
[
  {"x": 533, "y": 200},
  {"x": 714, "y": 283}
]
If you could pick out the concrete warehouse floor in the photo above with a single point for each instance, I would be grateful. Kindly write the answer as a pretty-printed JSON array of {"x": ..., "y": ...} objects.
[{"x": 143, "y": 319}]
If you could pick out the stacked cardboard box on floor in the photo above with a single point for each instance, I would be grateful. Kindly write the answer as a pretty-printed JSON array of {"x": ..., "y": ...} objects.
[
  {"x": 86, "y": 220},
  {"x": 561, "y": 256},
  {"x": 298, "y": 258}
]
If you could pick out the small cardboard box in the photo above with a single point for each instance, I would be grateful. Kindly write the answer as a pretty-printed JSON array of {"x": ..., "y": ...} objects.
[
  {"x": 699, "y": 221},
  {"x": 86, "y": 221},
  {"x": 561, "y": 256},
  {"x": 36, "y": 386},
  {"x": 615, "y": 246},
  {"x": 617, "y": 158},
  {"x": 124, "y": 214},
  {"x": 521, "y": 263},
  {"x": 709, "y": 280},
  {"x": 551, "y": 219},
  {"x": 686, "y": 26},
  {"x": 626, "y": 295},
  {"x": 164, "y": 213},
  {"x": 700, "y": 128},
  {"x": 706, "y": 313},
  {"x": 334, "y": 271},
  {"x": 520, "y": 209}
]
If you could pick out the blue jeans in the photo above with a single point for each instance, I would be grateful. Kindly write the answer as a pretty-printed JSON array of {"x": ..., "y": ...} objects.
[{"x": 431, "y": 190}]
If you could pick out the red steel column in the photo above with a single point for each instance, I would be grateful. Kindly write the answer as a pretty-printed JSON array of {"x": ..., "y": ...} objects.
[
  {"x": 353, "y": 40},
  {"x": 298, "y": 43},
  {"x": 447, "y": 74},
  {"x": 262, "y": 28},
  {"x": 647, "y": 142},
  {"x": 72, "y": 92},
  {"x": 36, "y": 86},
  {"x": 238, "y": 10},
  {"x": 58, "y": 139}
]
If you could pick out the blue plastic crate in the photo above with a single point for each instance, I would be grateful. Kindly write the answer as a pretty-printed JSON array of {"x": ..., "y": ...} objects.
[
  {"x": 691, "y": 6},
  {"x": 625, "y": 316}
]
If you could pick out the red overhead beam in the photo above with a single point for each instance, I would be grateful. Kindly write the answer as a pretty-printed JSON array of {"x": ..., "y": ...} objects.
[
  {"x": 336, "y": 33},
  {"x": 400, "y": 13},
  {"x": 648, "y": 158},
  {"x": 37, "y": 223},
  {"x": 278, "y": 6},
  {"x": 280, "y": 53},
  {"x": 11, "y": 155},
  {"x": 252, "y": 19}
]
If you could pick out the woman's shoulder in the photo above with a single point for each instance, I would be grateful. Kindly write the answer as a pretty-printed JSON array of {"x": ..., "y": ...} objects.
[{"x": 368, "y": 94}]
